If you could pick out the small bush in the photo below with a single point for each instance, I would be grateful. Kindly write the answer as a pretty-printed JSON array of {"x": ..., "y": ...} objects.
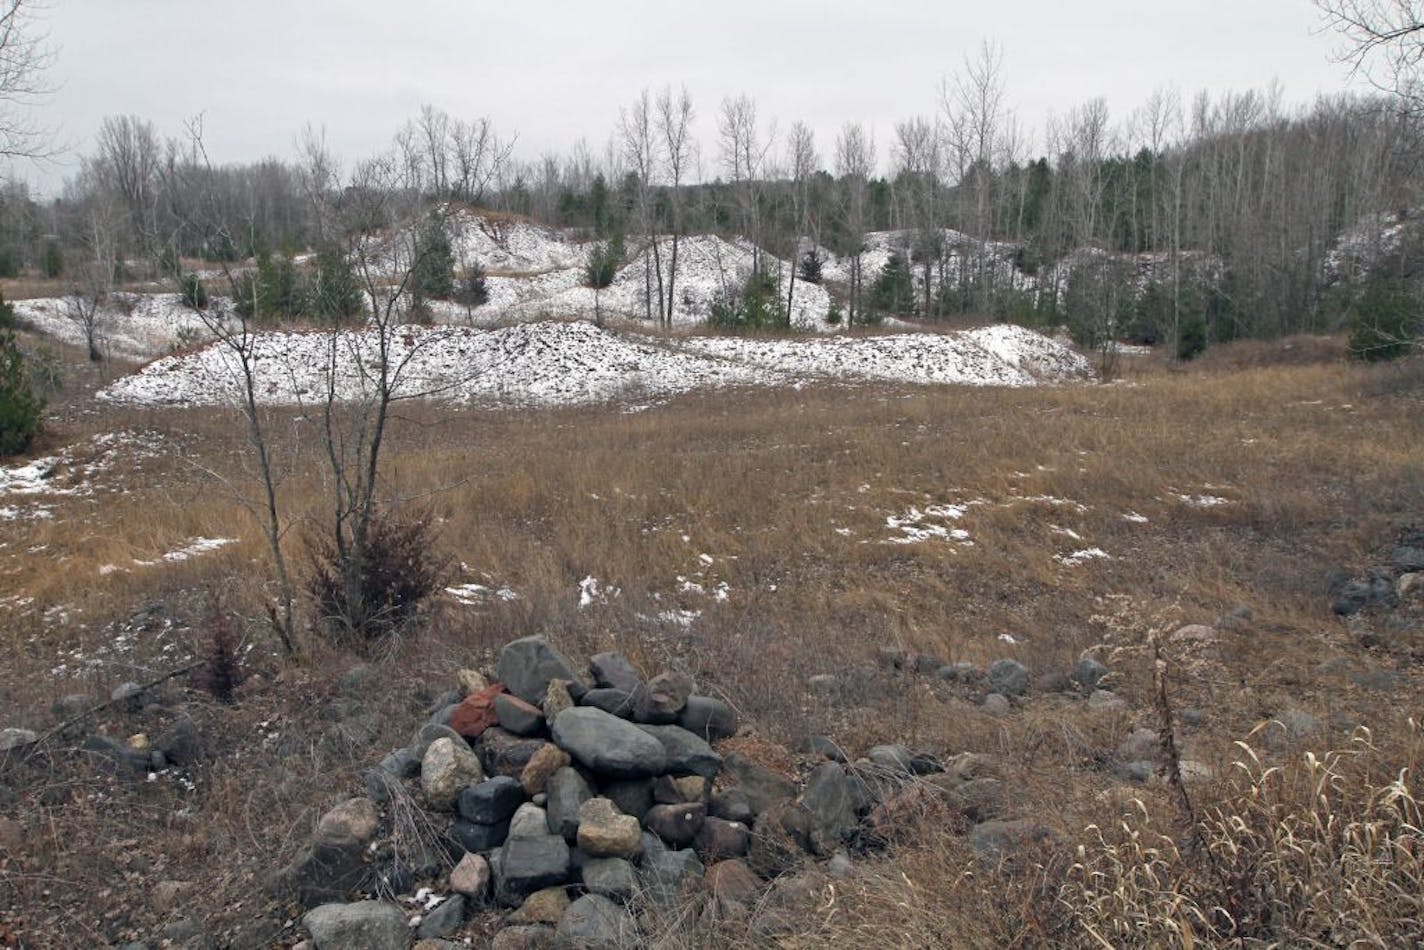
[
  {"x": 834, "y": 316},
  {"x": 369, "y": 595},
  {"x": 473, "y": 291},
  {"x": 52, "y": 264},
  {"x": 893, "y": 291},
  {"x": 334, "y": 292},
  {"x": 1191, "y": 337},
  {"x": 195, "y": 295},
  {"x": 222, "y": 674},
  {"x": 810, "y": 270},
  {"x": 1385, "y": 321}
]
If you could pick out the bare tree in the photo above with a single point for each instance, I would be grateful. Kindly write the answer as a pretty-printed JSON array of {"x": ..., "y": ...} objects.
[
  {"x": 24, "y": 57},
  {"x": 1384, "y": 43},
  {"x": 129, "y": 160},
  {"x": 743, "y": 151},
  {"x": 855, "y": 162},
  {"x": 642, "y": 153},
  {"x": 233, "y": 329},
  {"x": 801, "y": 162},
  {"x": 679, "y": 151},
  {"x": 94, "y": 276}
]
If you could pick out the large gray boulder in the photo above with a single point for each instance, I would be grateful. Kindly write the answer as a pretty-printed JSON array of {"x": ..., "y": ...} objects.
[
  {"x": 608, "y": 745},
  {"x": 708, "y": 718},
  {"x": 686, "y": 753},
  {"x": 614, "y": 671},
  {"x": 364, "y": 925},
  {"x": 527, "y": 665},
  {"x": 762, "y": 787},
  {"x": 831, "y": 798}
]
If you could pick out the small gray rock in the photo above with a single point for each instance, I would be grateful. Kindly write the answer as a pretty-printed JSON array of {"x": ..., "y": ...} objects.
[
  {"x": 364, "y": 925},
  {"x": 1088, "y": 673},
  {"x": 526, "y": 865},
  {"x": 492, "y": 801},
  {"x": 444, "y": 920},
  {"x": 566, "y": 791},
  {"x": 610, "y": 877},
  {"x": 593, "y": 922},
  {"x": 529, "y": 821},
  {"x": 996, "y": 704},
  {"x": 517, "y": 716},
  {"x": 1008, "y": 677}
]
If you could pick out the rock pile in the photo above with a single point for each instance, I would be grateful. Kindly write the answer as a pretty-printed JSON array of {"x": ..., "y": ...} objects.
[
  {"x": 1385, "y": 605},
  {"x": 575, "y": 804}
]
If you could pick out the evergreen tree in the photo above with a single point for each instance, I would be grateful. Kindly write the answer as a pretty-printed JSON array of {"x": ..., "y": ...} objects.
[
  {"x": 604, "y": 260},
  {"x": 810, "y": 269},
  {"x": 52, "y": 264},
  {"x": 21, "y": 408},
  {"x": 335, "y": 293},
  {"x": 433, "y": 277},
  {"x": 893, "y": 291},
  {"x": 473, "y": 291}
]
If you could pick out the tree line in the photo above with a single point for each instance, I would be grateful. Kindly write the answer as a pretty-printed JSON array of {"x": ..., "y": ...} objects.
[{"x": 1217, "y": 217}]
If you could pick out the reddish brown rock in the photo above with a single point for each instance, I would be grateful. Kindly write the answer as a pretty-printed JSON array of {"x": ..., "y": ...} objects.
[{"x": 476, "y": 712}]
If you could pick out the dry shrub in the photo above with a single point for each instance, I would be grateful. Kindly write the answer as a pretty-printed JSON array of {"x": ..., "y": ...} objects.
[
  {"x": 395, "y": 573},
  {"x": 222, "y": 674},
  {"x": 1324, "y": 851}
]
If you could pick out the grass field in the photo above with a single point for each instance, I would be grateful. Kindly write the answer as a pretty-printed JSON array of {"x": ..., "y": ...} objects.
[{"x": 754, "y": 539}]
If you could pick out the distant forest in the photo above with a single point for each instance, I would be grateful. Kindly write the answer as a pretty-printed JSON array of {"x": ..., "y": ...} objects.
[{"x": 1221, "y": 216}]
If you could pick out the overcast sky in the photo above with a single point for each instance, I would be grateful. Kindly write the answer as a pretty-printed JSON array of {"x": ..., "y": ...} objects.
[{"x": 553, "y": 71}]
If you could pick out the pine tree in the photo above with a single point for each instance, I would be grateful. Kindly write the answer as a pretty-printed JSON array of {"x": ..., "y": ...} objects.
[
  {"x": 21, "y": 408},
  {"x": 893, "y": 291},
  {"x": 433, "y": 277}
]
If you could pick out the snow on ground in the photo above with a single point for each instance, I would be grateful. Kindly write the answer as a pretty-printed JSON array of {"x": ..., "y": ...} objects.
[
  {"x": 500, "y": 243},
  {"x": 26, "y": 488},
  {"x": 130, "y": 325},
  {"x": 473, "y": 595},
  {"x": 564, "y": 364},
  {"x": 1080, "y": 557}
]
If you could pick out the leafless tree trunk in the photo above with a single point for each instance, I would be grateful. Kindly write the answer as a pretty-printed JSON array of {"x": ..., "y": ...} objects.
[
  {"x": 236, "y": 334},
  {"x": 855, "y": 163},
  {"x": 679, "y": 152},
  {"x": 801, "y": 161},
  {"x": 641, "y": 151},
  {"x": 94, "y": 277}
]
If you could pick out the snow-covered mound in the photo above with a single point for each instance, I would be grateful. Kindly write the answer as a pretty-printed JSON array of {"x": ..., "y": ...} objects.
[
  {"x": 563, "y": 364},
  {"x": 504, "y": 243},
  {"x": 1000, "y": 355},
  {"x": 530, "y": 364},
  {"x": 129, "y": 325}
]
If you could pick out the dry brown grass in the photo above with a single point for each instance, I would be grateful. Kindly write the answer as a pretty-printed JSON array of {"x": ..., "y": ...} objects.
[{"x": 788, "y": 493}]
